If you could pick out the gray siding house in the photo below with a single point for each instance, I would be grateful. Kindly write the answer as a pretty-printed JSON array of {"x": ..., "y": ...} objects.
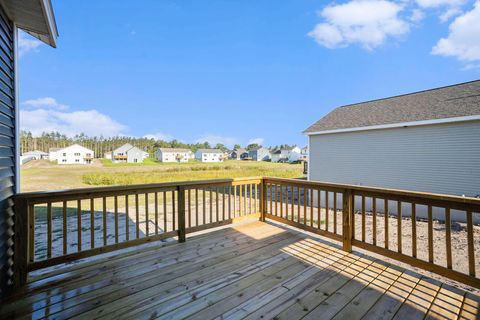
[
  {"x": 37, "y": 18},
  {"x": 239, "y": 154},
  {"x": 425, "y": 141},
  {"x": 260, "y": 154}
]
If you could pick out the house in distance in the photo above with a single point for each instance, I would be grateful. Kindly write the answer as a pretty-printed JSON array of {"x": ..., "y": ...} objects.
[
  {"x": 74, "y": 154},
  {"x": 260, "y": 154},
  {"x": 128, "y": 154},
  {"x": 209, "y": 155},
  {"x": 173, "y": 155}
]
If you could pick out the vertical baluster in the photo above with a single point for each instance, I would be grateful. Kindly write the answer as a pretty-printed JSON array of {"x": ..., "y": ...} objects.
[
  {"x": 229, "y": 202},
  {"x": 244, "y": 199},
  {"x": 116, "y": 218},
  {"x": 137, "y": 218},
  {"x": 448, "y": 237},
  {"x": 471, "y": 248},
  {"x": 281, "y": 200},
  {"x": 319, "y": 207},
  {"x": 414, "y": 230},
  {"x": 127, "y": 219},
  {"x": 156, "y": 213},
  {"x": 374, "y": 218},
  {"x": 31, "y": 233},
  {"x": 189, "y": 208},
  {"x": 298, "y": 204},
  {"x": 386, "y": 223},
  {"x": 250, "y": 186},
  {"x": 363, "y": 218},
  {"x": 223, "y": 202},
  {"x": 79, "y": 225},
  {"x": 196, "y": 208},
  {"x": 216, "y": 204},
  {"x": 275, "y": 199},
  {"x": 204, "y": 206},
  {"x": 211, "y": 205},
  {"x": 327, "y": 210},
  {"x": 353, "y": 215},
  {"x": 311, "y": 207},
  {"x": 165, "y": 225},
  {"x": 65, "y": 240},
  {"x": 292, "y": 204},
  {"x": 430, "y": 234},
  {"x": 147, "y": 219},
  {"x": 49, "y": 230},
  {"x": 92, "y": 223},
  {"x": 304, "y": 206},
  {"x": 174, "y": 218},
  {"x": 335, "y": 212},
  {"x": 104, "y": 222},
  {"x": 399, "y": 226}
]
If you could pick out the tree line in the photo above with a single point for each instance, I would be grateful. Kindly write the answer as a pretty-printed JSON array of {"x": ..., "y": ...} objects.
[{"x": 100, "y": 145}]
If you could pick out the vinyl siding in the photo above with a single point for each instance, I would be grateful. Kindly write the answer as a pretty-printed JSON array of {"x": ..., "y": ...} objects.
[
  {"x": 437, "y": 158},
  {"x": 7, "y": 150}
]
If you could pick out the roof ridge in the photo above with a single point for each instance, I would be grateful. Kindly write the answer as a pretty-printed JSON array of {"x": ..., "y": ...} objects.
[{"x": 408, "y": 94}]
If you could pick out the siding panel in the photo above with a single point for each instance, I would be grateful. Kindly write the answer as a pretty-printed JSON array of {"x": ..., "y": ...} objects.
[
  {"x": 7, "y": 154},
  {"x": 438, "y": 158}
]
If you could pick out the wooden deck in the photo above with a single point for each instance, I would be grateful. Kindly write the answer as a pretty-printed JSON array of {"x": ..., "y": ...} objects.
[{"x": 254, "y": 271}]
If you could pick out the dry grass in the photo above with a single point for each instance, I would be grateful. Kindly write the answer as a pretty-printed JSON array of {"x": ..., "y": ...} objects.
[{"x": 42, "y": 175}]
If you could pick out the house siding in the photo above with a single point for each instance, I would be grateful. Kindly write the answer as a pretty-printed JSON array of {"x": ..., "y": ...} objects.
[
  {"x": 7, "y": 150},
  {"x": 437, "y": 158}
]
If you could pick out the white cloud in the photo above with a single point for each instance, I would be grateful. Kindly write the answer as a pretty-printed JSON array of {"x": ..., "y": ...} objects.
[
  {"x": 47, "y": 102},
  {"x": 47, "y": 116},
  {"x": 159, "y": 136},
  {"x": 259, "y": 141},
  {"x": 365, "y": 22},
  {"x": 463, "y": 40},
  {"x": 214, "y": 139},
  {"x": 417, "y": 15},
  {"x": 453, "y": 7},
  {"x": 27, "y": 43}
]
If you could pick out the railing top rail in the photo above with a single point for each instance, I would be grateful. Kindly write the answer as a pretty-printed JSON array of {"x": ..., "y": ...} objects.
[
  {"x": 101, "y": 191},
  {"x": 381, "y": 191}
]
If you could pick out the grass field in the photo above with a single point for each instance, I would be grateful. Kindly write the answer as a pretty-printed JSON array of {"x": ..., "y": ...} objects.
[{"x": 43, "y": 175}]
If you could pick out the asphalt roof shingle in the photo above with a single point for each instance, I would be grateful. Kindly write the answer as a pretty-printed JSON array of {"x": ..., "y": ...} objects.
[{"x": 447, "y": 102}]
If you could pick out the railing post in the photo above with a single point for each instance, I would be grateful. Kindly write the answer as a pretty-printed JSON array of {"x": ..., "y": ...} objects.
[
  {"x": 181, "y": 214},
  {"x": 263, "y": 192},
  {"x": 20, "y": 242},
  {"x": 347, "y": 216}
]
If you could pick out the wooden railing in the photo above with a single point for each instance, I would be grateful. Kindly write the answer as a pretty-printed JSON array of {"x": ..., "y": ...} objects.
[
  {"x": 430, "y": 231},
  {"x": 411, "y": 227},
  {"x": 61, "y": 226}
]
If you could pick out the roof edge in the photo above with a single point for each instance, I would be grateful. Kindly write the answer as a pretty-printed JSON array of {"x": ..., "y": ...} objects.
[{"x": 396, "y": 125}]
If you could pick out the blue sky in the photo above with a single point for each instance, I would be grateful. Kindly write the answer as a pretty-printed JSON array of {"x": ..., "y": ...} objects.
[{"x": 237, "y": 71}]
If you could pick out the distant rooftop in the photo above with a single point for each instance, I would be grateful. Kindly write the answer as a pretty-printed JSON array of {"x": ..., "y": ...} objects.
[
  {"x": 174, "y": 150},
  {"x": 458, "y": 100},
  {"x": 210, "y": 150}
]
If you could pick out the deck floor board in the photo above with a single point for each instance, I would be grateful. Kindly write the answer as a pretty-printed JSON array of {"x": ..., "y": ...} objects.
[{"x": 249, "y": 271}]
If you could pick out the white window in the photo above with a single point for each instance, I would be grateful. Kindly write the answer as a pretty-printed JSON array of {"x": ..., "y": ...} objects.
[
  {"x": 77, "y": 154},
  {"x": 64, "y": 154}
]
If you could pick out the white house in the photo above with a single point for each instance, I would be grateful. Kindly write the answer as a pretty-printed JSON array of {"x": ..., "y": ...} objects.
[
  {"x": 128, "y": 154},
  {"x": 36, "y": 155},
  {"x": 108, "y": 155},
  {"x": 209, "y": 155},
  {"x": 425, "y": 141},
  {"x": 74, "y": 154},
  {"x": 173, "y": 155},
  {"x": 286, "y": 155}
]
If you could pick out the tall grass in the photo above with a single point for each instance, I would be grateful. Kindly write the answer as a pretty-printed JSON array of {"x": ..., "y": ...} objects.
[{"x": 183, "y": 173}]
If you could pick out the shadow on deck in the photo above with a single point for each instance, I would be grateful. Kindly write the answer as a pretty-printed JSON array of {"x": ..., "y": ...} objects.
[{"x": 252, "y": 270}]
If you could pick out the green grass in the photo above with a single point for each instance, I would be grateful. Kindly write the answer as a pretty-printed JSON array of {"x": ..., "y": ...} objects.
[{"x": 146, "y": 162}]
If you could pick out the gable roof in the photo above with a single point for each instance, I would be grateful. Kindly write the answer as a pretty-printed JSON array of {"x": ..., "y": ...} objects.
[
  {"x": 209, "y": 151},
  {"x": 174, "y": 150},
  {"x": 460, "y": 100}
]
